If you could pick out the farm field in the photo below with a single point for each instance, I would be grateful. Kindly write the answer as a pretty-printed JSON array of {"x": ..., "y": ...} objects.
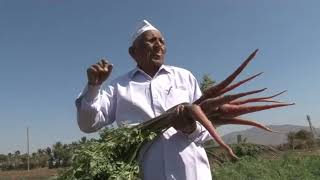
[
  {"x": 34, "y": 174},
  {"x": 299, "y": 164},
  {"x": 303, "y": 164}
]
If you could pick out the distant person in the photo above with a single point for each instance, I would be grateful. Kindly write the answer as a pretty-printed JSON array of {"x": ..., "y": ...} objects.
[{"x": 143, "y": 93}]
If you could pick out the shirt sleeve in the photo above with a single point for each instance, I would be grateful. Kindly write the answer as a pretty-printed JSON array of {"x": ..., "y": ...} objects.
[{"x": 95, "y": 108}]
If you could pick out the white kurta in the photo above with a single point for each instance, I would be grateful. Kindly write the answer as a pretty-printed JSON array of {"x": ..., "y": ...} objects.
[{"x": 136, "y": 97}]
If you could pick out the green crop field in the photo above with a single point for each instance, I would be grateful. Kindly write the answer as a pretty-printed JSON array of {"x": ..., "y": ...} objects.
[{"x": 290, "y": 165}]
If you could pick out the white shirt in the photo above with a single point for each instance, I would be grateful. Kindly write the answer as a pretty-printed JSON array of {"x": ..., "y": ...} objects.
[{"x": 136, "y": 97}]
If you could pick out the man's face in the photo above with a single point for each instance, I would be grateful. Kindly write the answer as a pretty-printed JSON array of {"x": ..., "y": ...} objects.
[{"x": 149, "y": 50}]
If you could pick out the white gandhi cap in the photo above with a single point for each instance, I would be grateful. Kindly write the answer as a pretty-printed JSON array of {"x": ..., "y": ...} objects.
[{"x": 142, "y": 27}]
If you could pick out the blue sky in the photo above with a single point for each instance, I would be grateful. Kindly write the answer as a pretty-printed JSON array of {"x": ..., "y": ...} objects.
[{"x": 46, "y": 46}]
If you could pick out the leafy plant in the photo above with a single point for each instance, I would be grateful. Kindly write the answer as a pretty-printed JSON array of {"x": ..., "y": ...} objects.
[{"x": 113, "y": 156}]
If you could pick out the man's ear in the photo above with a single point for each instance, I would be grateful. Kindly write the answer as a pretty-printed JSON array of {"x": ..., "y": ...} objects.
[{"x": 131, "y": 52}]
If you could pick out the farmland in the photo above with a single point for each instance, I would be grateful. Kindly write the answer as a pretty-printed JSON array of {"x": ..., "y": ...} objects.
[
  {"x": 298, "y": 158},
  {"x": 288, "y": 165},
  {"x": 34, "y": 174},
  {"x": 298, "y": 164}
]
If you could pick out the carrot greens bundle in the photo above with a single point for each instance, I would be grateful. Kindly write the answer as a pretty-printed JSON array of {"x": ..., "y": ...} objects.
[{"x": 112, "y": 156}]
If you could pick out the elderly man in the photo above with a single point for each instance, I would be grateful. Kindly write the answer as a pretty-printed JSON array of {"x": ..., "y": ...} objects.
[{"x": 143, "y": 93}]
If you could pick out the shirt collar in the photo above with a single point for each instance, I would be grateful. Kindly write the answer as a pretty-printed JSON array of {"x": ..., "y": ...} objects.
[{"x": 163, "y": 68}]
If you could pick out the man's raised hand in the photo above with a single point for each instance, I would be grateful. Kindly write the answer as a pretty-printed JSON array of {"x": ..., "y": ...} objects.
[{"x": 98, "y": 73}]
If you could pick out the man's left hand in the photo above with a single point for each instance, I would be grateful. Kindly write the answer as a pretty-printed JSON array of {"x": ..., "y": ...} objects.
[{"x": 184, "y": 122}]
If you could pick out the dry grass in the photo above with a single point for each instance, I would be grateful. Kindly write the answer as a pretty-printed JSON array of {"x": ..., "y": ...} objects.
[{"x": 34, "y": 174}]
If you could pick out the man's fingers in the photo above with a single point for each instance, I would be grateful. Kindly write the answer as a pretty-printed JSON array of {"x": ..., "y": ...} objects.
[
  {"x": 108, "y": 68},
  {"x": 106, "y": 64},
  {"x": 99, "y": 72},
  {"x": 92, "y": 70},
  {"x": 104, "y": 61},
  {"x": 98, "y": 68},
  {"x": 101, "y": 64}
]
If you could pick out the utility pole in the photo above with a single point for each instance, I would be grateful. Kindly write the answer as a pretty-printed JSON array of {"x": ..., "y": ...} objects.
[
  {"x": 239, "y": 138},
  {"x": 311, "y": 128},
  {"x": 28, "y": 148}
]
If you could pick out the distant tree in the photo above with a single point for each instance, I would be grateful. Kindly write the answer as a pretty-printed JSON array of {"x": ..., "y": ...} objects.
[
  {"x": 241, "y": 140},
  {"x": 306, "y": 138},
  {"x": 3, "y": 158},
  {"x": 48, "y": 151},
  {"x": 73, "y": 146},
  {"x": 206, "y": 82},
  {"x": 17, "y": 153},
  {"x": 304, "y": 135},
  {"x": 9, "y": 158},
  {"x": 300, "y": 139},
  {"x": 3, "y": 161},
  {"x": 24, "y": 161},
  {"x": 62, "y": 154},
  {"x": 83, "y": 140},
  {"x": 9, "y": 165},
  {"x": 67, "y": 155},
  {"x": 40, "y": 151},
  {"x": 290, "y": 139},
  {"x": 42, "y": 158},
  {"x": 16, "y": 159},
  {"x": 57, "y": 153},
  {"x": 51, "y": 162}
]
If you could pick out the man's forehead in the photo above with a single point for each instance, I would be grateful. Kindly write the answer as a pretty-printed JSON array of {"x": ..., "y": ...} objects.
[
  {"x": 148, "y": 35},
  {"x": 152, "y": 33}
]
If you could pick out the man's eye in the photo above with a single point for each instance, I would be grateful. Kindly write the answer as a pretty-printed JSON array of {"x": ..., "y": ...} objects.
[
  {"x": 148, "y": 43},
  {"x": 152, "y": 40}
]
